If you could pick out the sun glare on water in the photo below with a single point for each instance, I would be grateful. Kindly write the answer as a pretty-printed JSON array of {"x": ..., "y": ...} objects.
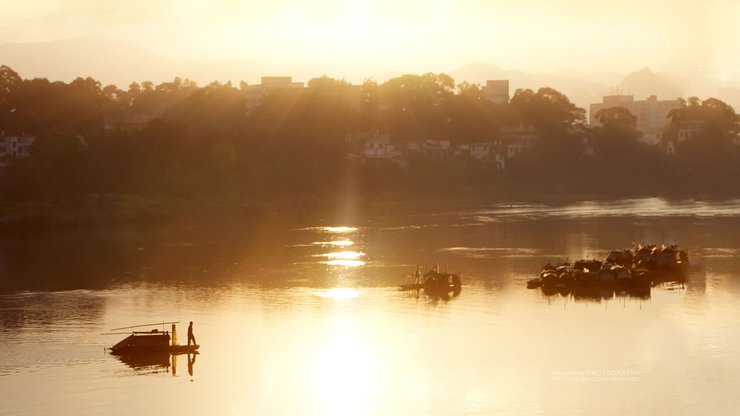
[
  {"x": 344, "y": 375},
  {"x": 343, "y": 258},
  {"x": 339, "y": 230},
  {"x": 338, "y": 293},
  {"x": 336, "y": 243}
]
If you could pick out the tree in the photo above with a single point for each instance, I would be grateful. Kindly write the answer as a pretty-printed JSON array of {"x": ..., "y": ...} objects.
[
  {"x": 617, "y": 136},
  {"x": 705, "y": 150},
  {"x": 415, "y": 105},
  {"x": 549, "y": 110},
  {"x": 617, "y": 117},
  {"x": 9, "y": 84},
  {"x": 719, "y": 119}
]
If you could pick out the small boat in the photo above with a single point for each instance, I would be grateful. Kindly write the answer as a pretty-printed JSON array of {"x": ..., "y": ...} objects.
[
  {"x": 434, "y": 282},
  {"x": 549, "y": 278},
  {"x": 153, "y": 341},
  {"x": 642, "y": 277},
  {"x": 607, "y": 274},
  {"x": 622, "y": 275},
  {"x": 548, "y": 274}
]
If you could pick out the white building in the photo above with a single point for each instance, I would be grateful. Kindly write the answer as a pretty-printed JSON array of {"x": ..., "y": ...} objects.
[
  {"x": 652, "y": 114},
  {"x": 489, "y": 152},
  {"x": 256, "y": 93},
  {"x": 433, "y": 149},
  {"x": 379, "y": 146},
  {"x": 13, "y": 147}
]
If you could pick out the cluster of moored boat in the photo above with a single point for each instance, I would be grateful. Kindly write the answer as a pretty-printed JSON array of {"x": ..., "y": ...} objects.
[{"x": 642, "y": 265}]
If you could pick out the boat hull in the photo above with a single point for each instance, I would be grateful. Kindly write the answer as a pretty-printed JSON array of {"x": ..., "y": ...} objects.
[{"x": 150, "y": 342}]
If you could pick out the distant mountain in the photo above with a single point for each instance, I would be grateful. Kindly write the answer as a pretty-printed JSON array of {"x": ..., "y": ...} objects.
[
  {"x": 105, "y": 59},
  {"x": 115, "y": 62},
  {"x": 602, "y": 77},
  {"x": 645, "y": 82}
]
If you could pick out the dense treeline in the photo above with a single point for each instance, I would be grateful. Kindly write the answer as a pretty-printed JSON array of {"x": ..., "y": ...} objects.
[{"x": 193, "y": 140}]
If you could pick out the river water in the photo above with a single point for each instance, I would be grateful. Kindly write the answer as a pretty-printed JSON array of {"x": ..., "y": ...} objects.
[{"x": 299, "y": 314}]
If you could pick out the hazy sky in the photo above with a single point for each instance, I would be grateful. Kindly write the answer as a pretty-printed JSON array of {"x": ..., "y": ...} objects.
[{"x": 538, "y": 35}]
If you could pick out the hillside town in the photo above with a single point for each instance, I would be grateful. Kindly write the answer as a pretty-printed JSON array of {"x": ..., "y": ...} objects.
[
  {"x": 652, "y": 121},
  {"x": 286, "y": 136}
]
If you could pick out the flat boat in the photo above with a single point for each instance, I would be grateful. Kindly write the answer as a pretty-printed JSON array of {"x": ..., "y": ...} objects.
[{"x": 153, "y": 341}]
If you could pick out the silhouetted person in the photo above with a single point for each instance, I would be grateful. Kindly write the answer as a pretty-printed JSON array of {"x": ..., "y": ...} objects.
[{"x": 191, "y": 337}]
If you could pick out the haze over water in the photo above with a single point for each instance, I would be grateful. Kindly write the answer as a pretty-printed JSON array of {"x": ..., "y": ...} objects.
[{"x": 299, "y": 314}]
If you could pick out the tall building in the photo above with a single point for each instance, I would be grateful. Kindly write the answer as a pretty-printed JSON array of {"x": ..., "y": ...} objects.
[
  {"x": 497, "y": 91},
  {"x": 652, "y": 114},
  {"x": 257, "y": 92}
]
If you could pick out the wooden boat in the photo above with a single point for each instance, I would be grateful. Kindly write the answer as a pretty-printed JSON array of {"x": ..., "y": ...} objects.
[
  {"x": 622, "y": 275},
  {"x": 434, "y": 282},
  {"x": 607, "y": 274},
  {"x": 548, "y": 274},
  {"x": 153, "y": 341}
]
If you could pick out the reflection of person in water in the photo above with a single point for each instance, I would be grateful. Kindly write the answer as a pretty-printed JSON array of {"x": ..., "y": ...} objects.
[
  {"x": 191, "y": 337},
  {"x": 191, "y": 363}
]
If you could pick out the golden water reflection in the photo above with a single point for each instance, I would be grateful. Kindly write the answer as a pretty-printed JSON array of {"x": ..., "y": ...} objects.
[
  {"x": 343, "y": 258},
  {"x": 339, "y": 230},
  {"x": 344, "y": 374},
  {"x": 336, "y": 243},
  {"x": 345, "y": 263},
  {"x": 350, "y": 255},
  {"x": 338, "y": 293}
]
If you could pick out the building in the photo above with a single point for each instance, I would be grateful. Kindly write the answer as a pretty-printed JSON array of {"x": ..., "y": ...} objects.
[
  {"x": 497, "y": 91},
  {"x": 517, "y": 139},
  {"x": 379, "y": 146},
  {"x": 652, "y": 114},
  {"x": 14, "y": 147},
  {"x": 256, "y": 93},
  {"x": 488, "y": 152},
  {"x": 432, "y": 149},
  {"x": 686, "y": 130}
]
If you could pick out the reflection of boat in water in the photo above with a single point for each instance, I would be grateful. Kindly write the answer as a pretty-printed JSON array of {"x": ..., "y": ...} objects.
[
  {"x": 599, "y": 292},
  {"x": 435, "y": 283},
  {"x": 150, "y": 342},
  {"x": 156, "y": 362},
  {"x": 146, "y": 361}
]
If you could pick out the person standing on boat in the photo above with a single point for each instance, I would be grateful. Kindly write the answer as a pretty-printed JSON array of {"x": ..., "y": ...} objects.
[{"x": 191, "y": 337}]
